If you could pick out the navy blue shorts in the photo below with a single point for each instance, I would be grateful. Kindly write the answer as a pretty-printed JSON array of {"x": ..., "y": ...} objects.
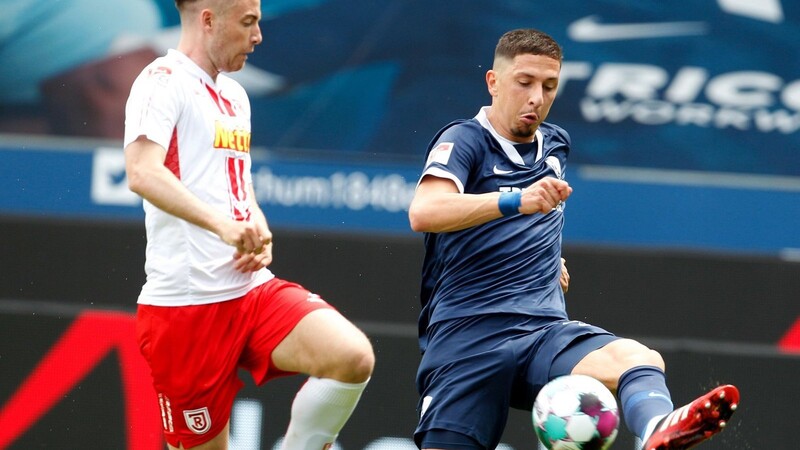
[{"x": 476, "y": 368}]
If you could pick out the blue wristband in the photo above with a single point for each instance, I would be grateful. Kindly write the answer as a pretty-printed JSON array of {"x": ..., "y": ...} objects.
[{"x": 510, "y": 202}]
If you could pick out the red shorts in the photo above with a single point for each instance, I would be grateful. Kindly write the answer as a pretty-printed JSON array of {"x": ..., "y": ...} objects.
[{"x": 195, "y": 352}]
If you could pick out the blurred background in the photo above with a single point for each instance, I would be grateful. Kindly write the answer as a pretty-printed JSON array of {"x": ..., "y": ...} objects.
[{"x": 683, "y": 230}]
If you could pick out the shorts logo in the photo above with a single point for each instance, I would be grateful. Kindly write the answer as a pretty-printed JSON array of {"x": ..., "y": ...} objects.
[
  {"x": 198, "y": 420},
  {"x": 575, "y": 322},
  {"x": 426, "y": 402},
  {"x": 166, "y": 412}
]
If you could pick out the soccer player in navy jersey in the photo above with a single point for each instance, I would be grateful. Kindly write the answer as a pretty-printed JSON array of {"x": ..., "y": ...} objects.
[{"x": 493, "y": 326}]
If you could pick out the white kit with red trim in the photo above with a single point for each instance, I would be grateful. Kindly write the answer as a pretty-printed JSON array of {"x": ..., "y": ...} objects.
[{"x": 205, "y": 128}]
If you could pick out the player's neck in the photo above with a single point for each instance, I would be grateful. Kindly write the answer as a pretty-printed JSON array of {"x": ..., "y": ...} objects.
[{"x": 198, "y": 55}]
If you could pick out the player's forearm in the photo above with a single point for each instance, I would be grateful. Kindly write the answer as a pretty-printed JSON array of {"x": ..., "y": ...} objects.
[
  {"x": 161, "y": 188},
  {"x": 258, "y": 214},
  {"x": 148, "y": 177},
  {"x": 443, "y": 212}
]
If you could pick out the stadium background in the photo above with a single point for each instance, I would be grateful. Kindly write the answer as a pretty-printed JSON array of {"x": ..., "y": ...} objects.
[{"x": 682, "y": 232}]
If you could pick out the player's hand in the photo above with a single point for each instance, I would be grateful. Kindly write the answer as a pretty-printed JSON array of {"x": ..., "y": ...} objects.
[
  {"x": 252, "y": 262},
  {"x": 564, "y": 280},
  {"x": 544, "y": 196},
  {"x": 260, "y": 256},
  {"x": 245, "y": 236}
]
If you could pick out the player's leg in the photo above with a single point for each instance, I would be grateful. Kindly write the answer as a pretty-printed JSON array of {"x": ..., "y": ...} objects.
[
  {"x": 637, "y": 374},
  {"x": 465, "y": 381},
  {"x": 623, "y": 365},
  {"x": 194, "y": 367},
  {"x": 339, "y": 359},
  {"x": 324, "y": 344},
  {"x": 694, "y": 422},
  {"x": 297, "y": 332},
  {"x": 464, "y": 404},
  {"x": 612, "y": 360}
]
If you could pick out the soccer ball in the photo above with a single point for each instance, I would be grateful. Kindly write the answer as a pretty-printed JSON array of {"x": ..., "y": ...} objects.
[{"x": 575, "y": 412}]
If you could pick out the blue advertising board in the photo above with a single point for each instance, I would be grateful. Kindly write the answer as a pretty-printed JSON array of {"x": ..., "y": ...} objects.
[
  {"x": 42, "y": 179},
  {"x": 684, "y": 116},
  {"x": 615, "y": 206}
]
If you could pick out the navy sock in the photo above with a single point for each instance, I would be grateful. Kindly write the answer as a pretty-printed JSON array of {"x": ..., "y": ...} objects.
[{"x": 643, "y": 395}]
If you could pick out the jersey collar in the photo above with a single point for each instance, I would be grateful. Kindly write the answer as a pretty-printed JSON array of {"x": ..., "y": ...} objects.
[
  {"x": 191, "y": 66},
  {"x": 506, "y": 144}
]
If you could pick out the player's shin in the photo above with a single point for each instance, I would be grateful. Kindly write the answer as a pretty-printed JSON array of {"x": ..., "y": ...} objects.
[{"x": 320, "y": 410}]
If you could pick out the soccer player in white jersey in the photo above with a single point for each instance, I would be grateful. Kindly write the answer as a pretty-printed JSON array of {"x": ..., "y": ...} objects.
[
  {"x": 209, "y": 305},
  {"x": 493, "y": 326}
]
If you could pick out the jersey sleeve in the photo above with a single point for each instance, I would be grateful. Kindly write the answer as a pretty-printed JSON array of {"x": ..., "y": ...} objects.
[
  {"x": 153, "y": 106},
  {"x": 452, "y": 155}
]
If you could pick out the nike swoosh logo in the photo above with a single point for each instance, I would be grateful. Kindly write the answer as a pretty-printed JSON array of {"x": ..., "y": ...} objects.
[
  {"x": 575, "y": 322},
  {"x": 500, "y": 171},
  {"x": 767, "y": 10},
  {"x": 314, "y": 298},
  {"x": 590, "y": 29},
  {"x": 656, "y": 394}
]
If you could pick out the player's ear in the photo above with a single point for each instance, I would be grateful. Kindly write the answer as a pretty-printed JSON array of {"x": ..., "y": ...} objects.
[
  {"x": 206, "y": 18},
  {"x": 491, "y": 82}
]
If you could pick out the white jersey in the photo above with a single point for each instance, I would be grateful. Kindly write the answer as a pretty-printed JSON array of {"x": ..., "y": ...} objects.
[{"x": 205, "y": 128}]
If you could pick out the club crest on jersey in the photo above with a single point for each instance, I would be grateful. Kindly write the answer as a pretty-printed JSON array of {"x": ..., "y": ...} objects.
[
  {"x": 228, "y": 138},
  {"x": 198, "y": 420}
]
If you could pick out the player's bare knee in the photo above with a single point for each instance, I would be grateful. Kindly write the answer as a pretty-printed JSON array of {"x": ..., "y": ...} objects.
[
  {"x": 355, "y": 364},
  {"x": 362, "y": 370},
  {"x": 655, "y": 359},
  {"x": 637, "y": 354},
  {"x": 366, "y": 362},
  {"x": 628, "y": 353}
]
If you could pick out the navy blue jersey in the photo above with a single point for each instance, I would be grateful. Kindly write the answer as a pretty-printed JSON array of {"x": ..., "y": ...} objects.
[{"x": 508, "y": 265}]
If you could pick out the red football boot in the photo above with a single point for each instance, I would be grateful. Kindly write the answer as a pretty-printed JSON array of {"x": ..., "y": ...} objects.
[{"x": 691, "y": 424}]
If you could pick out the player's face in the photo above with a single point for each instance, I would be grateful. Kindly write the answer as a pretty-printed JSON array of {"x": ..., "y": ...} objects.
[
  {"x": 236, "y": 35},
  {"x": 523, "y": 90}
]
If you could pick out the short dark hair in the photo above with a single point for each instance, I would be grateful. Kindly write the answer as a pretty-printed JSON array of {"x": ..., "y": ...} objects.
[
  {"x": 181, "y": 3},
  {"x": 527, "y": 41}
]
